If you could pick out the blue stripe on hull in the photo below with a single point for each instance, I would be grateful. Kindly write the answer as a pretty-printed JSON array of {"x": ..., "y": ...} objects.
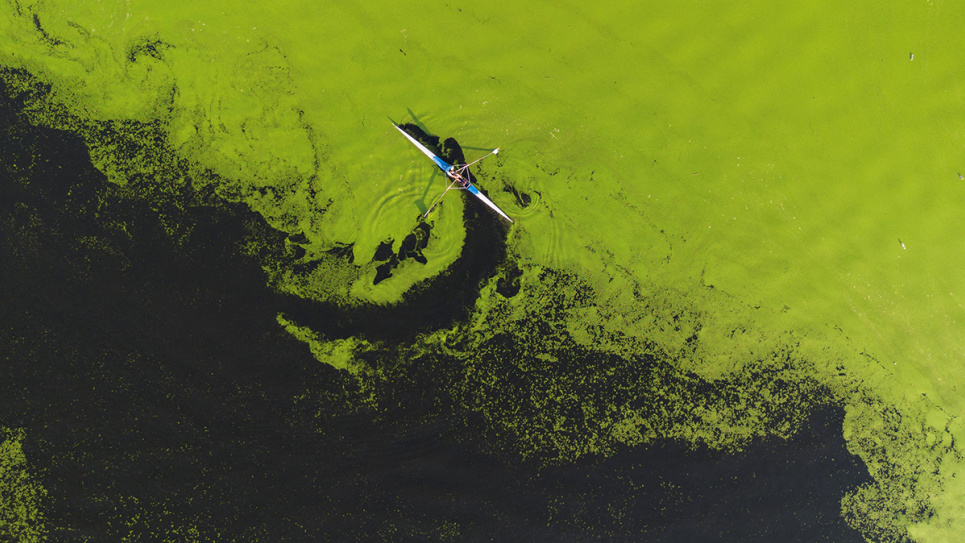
[{"x": 441, "y": 163}]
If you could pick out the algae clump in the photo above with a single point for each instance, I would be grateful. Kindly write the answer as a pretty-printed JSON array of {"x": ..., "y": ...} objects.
[{"x": 22, "y": 498}]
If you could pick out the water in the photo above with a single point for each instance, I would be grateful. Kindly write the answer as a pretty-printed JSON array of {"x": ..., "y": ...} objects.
[{"x": 729, "y": 182}]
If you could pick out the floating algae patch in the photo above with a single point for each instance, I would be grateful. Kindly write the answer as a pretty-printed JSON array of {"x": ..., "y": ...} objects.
[
  {"x": 567, "y": 384},
  {"x": 905, "y": 473},
  {"x": 22, "y": 498},
  {"x": 340, "y": 354}
]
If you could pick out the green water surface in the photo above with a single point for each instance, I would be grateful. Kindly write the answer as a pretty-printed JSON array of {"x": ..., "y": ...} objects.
[{"x": 783, "y": 176}]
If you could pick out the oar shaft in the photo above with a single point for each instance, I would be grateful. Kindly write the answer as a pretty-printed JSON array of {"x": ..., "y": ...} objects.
[{"x": 493, "y": 152}]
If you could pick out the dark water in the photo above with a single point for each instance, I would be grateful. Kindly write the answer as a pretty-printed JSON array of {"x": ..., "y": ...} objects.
[{"x": 158, "y": 394}]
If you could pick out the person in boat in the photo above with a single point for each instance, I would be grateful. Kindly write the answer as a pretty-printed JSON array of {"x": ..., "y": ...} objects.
[{"x": 456, "y": 175}]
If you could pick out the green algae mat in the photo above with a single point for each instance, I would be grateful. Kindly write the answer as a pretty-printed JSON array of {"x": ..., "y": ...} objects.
[{"x": 737, "y": 253}]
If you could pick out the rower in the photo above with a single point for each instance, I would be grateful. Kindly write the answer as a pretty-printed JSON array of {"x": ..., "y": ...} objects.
[{"x": 456, "y": 175}]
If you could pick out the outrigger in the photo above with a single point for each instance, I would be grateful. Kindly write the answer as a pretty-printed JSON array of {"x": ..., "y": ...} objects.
[{"x": 459, "y": 174}]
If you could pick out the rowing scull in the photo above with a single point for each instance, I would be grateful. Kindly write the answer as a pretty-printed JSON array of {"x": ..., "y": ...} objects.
[{"x": 458, "y": 173}]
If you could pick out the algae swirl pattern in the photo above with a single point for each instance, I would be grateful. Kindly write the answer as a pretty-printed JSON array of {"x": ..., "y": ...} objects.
[{"x": 202, "y": 151}]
